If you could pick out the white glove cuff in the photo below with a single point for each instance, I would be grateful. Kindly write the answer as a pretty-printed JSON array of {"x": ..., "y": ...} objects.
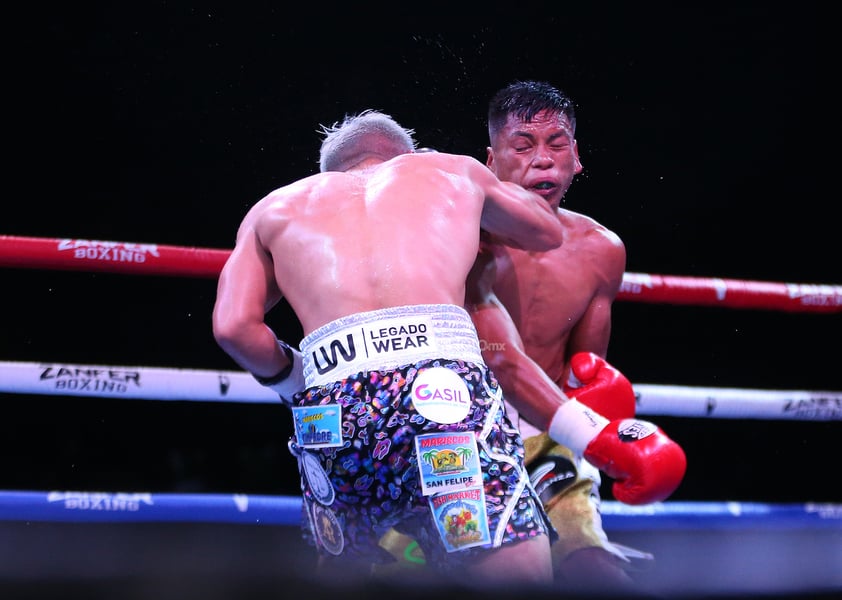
[
  {"x": 574, "y": 425},
  {"x": 289, "y": 381}
]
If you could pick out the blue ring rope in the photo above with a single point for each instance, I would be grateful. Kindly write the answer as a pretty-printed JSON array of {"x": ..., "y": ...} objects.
[{"x": 131, "y": 507}]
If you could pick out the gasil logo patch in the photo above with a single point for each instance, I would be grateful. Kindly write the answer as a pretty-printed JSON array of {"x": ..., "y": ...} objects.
[{"x": 440, "y": 395}]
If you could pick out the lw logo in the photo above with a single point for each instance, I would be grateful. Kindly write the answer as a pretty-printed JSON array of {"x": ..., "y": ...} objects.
[{"x": 328, "y": 363}]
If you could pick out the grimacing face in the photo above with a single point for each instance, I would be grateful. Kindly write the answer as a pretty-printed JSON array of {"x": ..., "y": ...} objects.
[{"x": 540, "y": 155}]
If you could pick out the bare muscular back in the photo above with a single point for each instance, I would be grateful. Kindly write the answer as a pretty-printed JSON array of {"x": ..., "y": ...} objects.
[{"x": 401, "y": 232}]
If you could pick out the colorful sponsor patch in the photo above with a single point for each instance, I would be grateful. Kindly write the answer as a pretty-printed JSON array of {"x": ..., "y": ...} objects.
[
  {"x": 440, "y": 395},
  {"x": 448, "y": 461},
  {"x": 327, "y": 529},
  {"x": 461, "y": 519},
  {"x": 318, "y": 426},
  {"x": 317, "y": 479}
]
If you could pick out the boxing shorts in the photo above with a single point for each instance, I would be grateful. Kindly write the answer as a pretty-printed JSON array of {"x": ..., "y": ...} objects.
[{"x": 402, "y": 425}]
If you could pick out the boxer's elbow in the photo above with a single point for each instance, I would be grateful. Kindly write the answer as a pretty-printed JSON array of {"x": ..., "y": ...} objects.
[{"x": 227, "y": 331}]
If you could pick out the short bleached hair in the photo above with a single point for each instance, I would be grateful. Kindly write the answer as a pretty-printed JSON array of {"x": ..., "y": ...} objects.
[{"x": 357, "y": 137}]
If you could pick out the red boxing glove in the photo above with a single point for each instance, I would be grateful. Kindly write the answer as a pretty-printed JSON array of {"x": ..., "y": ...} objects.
[
  {"x": 645, "y": 463},
  {"x": 647, "y": 466},
  {"x": 595, "y": 383}
]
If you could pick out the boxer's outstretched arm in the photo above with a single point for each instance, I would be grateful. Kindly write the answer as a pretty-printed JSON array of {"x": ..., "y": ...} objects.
[
  {"x": 516, "y": 216},
  {"x": 525, "y": 384}
]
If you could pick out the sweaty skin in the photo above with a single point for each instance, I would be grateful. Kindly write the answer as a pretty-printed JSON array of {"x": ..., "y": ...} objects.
[
  {"x": 539, "y": 309},
  {"x": 534, "y": 311},
  {"x": 381, "y": 234},
  {"x": 559, "y": 300}
]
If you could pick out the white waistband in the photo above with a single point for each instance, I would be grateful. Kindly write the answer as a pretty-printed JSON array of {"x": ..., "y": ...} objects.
[{"x": 387, "y": 339}]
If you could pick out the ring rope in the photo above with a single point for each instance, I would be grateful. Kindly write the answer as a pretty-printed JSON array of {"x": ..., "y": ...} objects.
[
  {"x": 152, "y": 383},
  {"x": 110, "y": 257},
  {"x": 133, "y": 507},
  {"x": 168, "y": 260},
  {"x": 204, "y": 385}
]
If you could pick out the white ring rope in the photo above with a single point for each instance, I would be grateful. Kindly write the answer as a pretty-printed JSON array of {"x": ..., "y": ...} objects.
[{"x": 157, "y": 383}]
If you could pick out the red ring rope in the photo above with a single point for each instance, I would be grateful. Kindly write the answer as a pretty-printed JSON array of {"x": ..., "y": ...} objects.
[
  {"x": 159, "y": 259},
  {"x": 110, "y": 257},
  {"x": 731, "y": 293}
]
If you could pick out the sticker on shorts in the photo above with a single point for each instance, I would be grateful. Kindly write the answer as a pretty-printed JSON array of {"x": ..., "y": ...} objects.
[
  {"x": 317, "y": 479},
  {"x": 440, "y": 395},
  {"x": 461, "y": 519},
  {"x": 327, "y": 530},
  {"x": 448, "y": 461},
  {"x": 318, "y": 426}
]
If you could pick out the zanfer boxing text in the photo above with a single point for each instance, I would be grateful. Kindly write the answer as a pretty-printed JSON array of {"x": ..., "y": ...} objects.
[
  {"x": 72, "y": 372},
  {"x": 90, "y": 380},
  {"x": 120, "y": 502},
  {"x": 109, "y": 251}
]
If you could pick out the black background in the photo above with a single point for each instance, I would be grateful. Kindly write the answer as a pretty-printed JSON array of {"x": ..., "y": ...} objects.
[{"x": 708, "y": 132}]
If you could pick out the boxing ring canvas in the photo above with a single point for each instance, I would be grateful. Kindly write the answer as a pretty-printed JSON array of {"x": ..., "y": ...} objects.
[{"x": 243, "y": 537}]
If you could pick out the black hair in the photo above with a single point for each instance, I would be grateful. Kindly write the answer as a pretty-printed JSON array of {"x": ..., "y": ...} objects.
[{"x": 525, "y": 99}]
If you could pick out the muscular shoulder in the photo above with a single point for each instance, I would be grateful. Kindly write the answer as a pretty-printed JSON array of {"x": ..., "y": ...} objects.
[
  {"x": 457, "y": 164},
  {"x": 588, "y": 231},
  {"x": 296, "y": 196},
  {"x": 284, "y": 202},
  {"x": 583, "y": 234}
]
